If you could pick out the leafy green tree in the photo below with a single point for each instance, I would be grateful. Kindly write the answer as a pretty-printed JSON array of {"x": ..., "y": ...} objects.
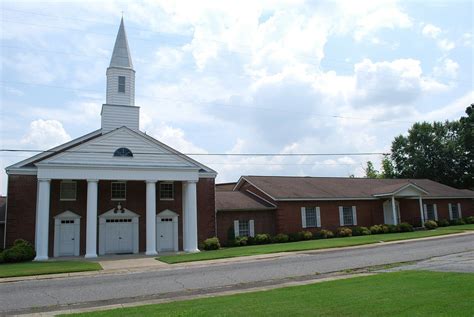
[
  {"x": 370, "y": 171},
  {"x": 441, "y": 151}
]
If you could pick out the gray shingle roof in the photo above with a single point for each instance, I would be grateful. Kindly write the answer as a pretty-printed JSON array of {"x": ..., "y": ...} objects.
[{"x": 283, "y": 187}]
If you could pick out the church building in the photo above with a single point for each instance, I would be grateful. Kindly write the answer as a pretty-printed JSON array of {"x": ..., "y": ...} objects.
[{"x": 114, "y": 190}]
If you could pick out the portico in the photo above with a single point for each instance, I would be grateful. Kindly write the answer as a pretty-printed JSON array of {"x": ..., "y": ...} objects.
[
  {"x": 92, "y": 175},
  {"x": 392, "y": 198}
]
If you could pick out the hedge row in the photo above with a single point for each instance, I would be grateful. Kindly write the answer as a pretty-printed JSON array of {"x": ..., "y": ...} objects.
[
  {"x": 265, "y": 238},
  {"x": 432, "y": 224}
]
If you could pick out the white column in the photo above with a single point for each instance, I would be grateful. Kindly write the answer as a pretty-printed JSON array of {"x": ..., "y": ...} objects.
[
  {"x": 184, "y": 223},
  {"x": 191, "y": 217},
  {"x": 91, "y": 226},
  {"x": 42, "y": 219},
  {"x": 394, "y": 211},
  {"x": 421, "y": 211},
  {"x": 151, "y": 218}
]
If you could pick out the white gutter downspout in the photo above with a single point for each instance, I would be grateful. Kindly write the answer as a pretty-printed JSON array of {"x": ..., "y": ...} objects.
[{"x": 421, "y": 212}]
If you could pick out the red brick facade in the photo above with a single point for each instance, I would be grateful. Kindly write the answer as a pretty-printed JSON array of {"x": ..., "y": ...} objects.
[
  {"x": 22, "y": 207},
  {"x": 287, "y": 216}
]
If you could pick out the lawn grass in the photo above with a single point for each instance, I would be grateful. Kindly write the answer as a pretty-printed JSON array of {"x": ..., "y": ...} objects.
[
  {"x": 409, "y": 293},
  {"x": 460, "y": 227},
  {"x": 50, "y": 267},
  {"x": 302, "y": 245}
]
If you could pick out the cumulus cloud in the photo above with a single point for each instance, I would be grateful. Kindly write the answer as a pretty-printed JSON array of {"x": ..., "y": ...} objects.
[
  {"x": 431, "y": 30},
  {"x": 448, "y": 68},
  {"x": 45, "y": 134},
  {"x": 437, "y": 34}
]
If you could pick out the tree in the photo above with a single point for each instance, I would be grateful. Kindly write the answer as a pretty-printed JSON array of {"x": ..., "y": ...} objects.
[
  {"x": 441, "y": 151},
  {"x": 370, "y": 171}
]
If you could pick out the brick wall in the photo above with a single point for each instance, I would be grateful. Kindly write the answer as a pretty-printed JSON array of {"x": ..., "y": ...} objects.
[
  {"x": 21, "y": 208},
  {"x": 264, "y": 222},
  {"x": 206, "y": 203}
]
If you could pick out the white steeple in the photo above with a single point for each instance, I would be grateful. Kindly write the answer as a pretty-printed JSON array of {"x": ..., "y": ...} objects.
[{"x": 119, "y": 109}]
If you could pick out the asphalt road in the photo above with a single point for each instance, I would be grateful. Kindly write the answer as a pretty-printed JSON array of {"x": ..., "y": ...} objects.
[{"x": 116, "y": 288}]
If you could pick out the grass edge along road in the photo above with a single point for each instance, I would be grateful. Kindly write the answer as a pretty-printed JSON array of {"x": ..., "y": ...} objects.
[
  {"x": 306, "y": 245},
  {"x": 47, "y": 267},
  {"x": 383, "y": 294}
]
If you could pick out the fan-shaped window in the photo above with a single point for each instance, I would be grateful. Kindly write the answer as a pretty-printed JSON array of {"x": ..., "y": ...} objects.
[{"x": 123, "y": 152}]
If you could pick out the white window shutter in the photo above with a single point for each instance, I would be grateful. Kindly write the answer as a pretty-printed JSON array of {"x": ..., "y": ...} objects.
[
  {"x": 318, "y": 217},
  {"x": 252, "y": 228},
  {"x": 354, "y": 215},
  {"x": 425, "y": 212},
  {"x": 303, "y": 217},
  {"x": 459, "y": 210},
  {"x": 341, "y": 216},
  {"x": 450, "y": 211},
  {"x": 236, "y": 228},
  {"x": 435, "y": 212}
]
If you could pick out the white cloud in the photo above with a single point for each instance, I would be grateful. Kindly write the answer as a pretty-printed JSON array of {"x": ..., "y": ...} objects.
[
  {"x": 436, "y": 33},
  {"x": 431, "y": 30},
  {"x": 45, "y": 134},
  {"x": 448, "y": 68},
  {"x": 175, "y": 138}
]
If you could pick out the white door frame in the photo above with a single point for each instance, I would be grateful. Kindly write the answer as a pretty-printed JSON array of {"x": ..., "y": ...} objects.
[
  {"x": 67, "y": 215},
  {"x": 167, "y": 214},
  {"x": 387, "y": 209},
  {"x": 117, "y": 213}
]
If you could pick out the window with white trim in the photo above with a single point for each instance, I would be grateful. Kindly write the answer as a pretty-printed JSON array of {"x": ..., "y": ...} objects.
[
  {"x": 430, "y": 212},
  {"x": 67, "y": 190},
  {"x": 244, "y": 228},
  {"x": 311, "y": 217},
  {"x": 454, "y": 212},
  {"x": 118, "y": 190},
  {"x": 121, "y": 83},
  {"x": 347, "y": 216},
  {"x": 166, "y": 191}
]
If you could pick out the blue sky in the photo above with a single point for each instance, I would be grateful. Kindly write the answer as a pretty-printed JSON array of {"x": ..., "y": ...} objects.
[{"x": 240, "y": 77}]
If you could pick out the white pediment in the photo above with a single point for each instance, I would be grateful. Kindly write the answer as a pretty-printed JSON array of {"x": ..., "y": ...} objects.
[
  {"x": 147, "y": 152},
  {"x": 67, "y": 215},
  {"x": 119, "y": 213},
  {"x": 167, "y": 214}
]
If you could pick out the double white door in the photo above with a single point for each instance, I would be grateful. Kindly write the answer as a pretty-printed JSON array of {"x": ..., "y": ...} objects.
[{"x": 119, "y": 236}]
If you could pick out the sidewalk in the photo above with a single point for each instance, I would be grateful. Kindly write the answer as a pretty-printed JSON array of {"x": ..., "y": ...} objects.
[{"x": 141, "y": 263}]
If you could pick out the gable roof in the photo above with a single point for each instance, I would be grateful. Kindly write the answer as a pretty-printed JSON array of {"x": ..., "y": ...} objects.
[
  {"x": 300, "y": 188},
  {"x": 236, "y": 200},
  {"x": 97, "y": 149}
]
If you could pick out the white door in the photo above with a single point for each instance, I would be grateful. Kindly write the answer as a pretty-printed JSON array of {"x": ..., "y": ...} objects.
[
  {"x": 166, "y": 234},
  {"x": 119, "y": 238},
  {"x": 67, "y": 238}
]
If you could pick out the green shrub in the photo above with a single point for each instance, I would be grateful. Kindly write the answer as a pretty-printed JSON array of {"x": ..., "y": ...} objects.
[
  {"x": 294, "y": 236},
  {"x": 325, "y": 234},
  {"x": 343, "y": 232},
  {"x": 457, "y": 222},
  {"x": 280, "y": 238},
  {"x": 21, "y": 251},
  {"x": 405, "y": 227},
  {"x": 393, "y": 228},
  {"x": 211, "y": 244},
  {"x": 469, "y": 219},
  {"x": 431, "y": 224},
  {"x": 262, "y": 238},
  {"x": 360, "y": 231},
  {"x": 306, "y": 235},
  {"x": 443, "y": 223},
  {"x": 251, "y": 241},
  {"x": 240, "y": 241},
  {"x": 376, "y": 229},
  {"x": 385, "y": 229},
  {"x": 2, "y": 259}
]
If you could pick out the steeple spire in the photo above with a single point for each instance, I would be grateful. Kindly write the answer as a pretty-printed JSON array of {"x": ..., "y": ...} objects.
[
  {"x": 121, "y": 55},
  {"x": 119, "y": 108}
]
